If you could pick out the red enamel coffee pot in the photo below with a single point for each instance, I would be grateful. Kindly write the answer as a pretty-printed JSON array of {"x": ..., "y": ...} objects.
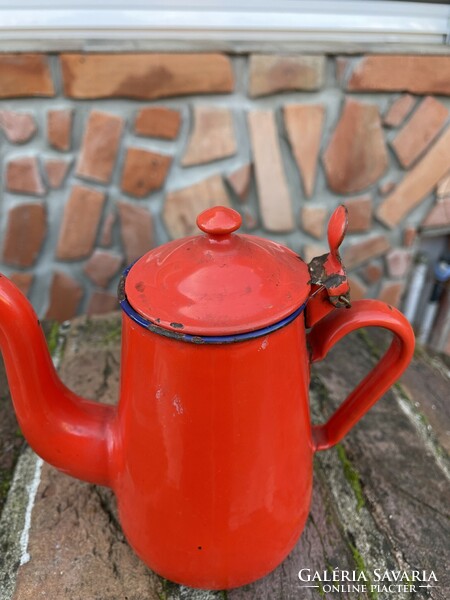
[{"x": 210, "y": 448}]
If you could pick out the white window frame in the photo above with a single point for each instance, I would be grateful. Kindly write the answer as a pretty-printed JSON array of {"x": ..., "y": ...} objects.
[{"x": 227, "y": 25}]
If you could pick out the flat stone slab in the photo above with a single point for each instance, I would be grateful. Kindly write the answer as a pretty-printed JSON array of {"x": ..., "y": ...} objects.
[{"x": 379, "y": 499}]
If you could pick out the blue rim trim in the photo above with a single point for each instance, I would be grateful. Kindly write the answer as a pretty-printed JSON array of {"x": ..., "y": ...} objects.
[{"x": 198, "y": 339}]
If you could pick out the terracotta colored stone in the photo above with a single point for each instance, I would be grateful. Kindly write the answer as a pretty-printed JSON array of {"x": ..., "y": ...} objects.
[
  {"x": 313, "y": 220},
  {"x": 239, "y": 181},
  {"x": 26, "y": 229},
  {"x": 136, "y": 229},
  {"x": 107, "y": 230},
  {"x": 23, "y": 75},
  {"x": 304, "y": 125},
  {"x": 277, "y": 216},
  {"x": 398, "y": 261},
  {"x": 359, "y": 214},
  {"x": 65, "y": 297},
  {"x": 212, "y": 137},
  {"x": 310, "y": 251},
  {"x": 360, "y": 252},
  {"x": 23, "y": 281},
  {"x": 439, "y": 215},
  {"x": 386, "y": 187},
  {"x": 399, "y": 110},
  {"x": 100, "y": 146},
  {"x": 143, "y": 172},
  {"x": 372, "y": 273},
  {"x": 271, "y": 73},
  {"x": 409, "y": 236},
  {"x": 182, "y": 207},
  {"x": 17, "y": 127},
  {"x": 80, "y": 222},
  {"x": 418, "y": 133},
  {"x": 443, "y": 187},
  {"x": 101, "y": 303},
  {"x": 356, "y": 155},
  {"x": 56, "y": 170},
  {"x": 358, "y": 290},
  {"x": 23, "y": 176},
  {"x": 59, "y": 128},
  {"x": 145, "y": 76},
  {"x": 401, "y": 73},
  {"x": 391, "y": 292},
  {"x": 102, "y": 266},
  {"x": 417, "y": 183},
  {"x": 158, "y": 122}
]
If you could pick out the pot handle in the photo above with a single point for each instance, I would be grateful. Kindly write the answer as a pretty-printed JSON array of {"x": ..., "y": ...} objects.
[{"x": 333, "y": 327}]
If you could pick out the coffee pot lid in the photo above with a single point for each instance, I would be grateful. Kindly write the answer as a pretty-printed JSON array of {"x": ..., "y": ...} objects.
[{"x": 218, "y": 282}]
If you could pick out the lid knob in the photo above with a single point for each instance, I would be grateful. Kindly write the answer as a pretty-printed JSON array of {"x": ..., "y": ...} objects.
[{"x": 219, "y": 221}]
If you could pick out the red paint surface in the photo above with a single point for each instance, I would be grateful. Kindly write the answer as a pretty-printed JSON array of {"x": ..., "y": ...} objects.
[{"x": 210, "y": 449}]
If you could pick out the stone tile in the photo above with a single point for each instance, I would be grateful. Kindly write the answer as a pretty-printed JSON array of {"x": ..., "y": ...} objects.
[
  {"x": 56, "y": 170},
  {"x": 360, "y": 252},
  {"x": 372, "y": 273},
  {"x": 417, "y": 183},
  {"x": 420, "y": 130},
  {"x": 443, "y": 187},
  {"x": 18, "y": 127},
  {"x": 106, "y": 234},
  {"x": 239, "y": 181},
  {"x": 136, "y": 229},
  {"x": 358, "y": 290},
  {"x": 399, "y": 110},
  {"x": 391, "y": 292},
  {"x": 304, "y": 125},
  {"x": 99, "y": 147},
  {"x": 356, "y": 155},
  {"x": 145, "y": 76},
  {"x": 102, "y": 303},
  {"x": 398, "y": 262},
  {"x": 23, "y": 176},
  {"x": 212, "y": 136},
  {"x": 24, "y": 75},
  {"x": 271, "y": 73},
  {"x": 158, "y": 122},
  {"x": 23, "y": 281},
  {"x": 271, "y": 179},
  {"x": 359, "y": 214},
  {"x": 182, "y": 207},
  {"x": 401, "y": 73},
  {"x": 80, "y": 221},
  {"x": 103, "y": 266},
  {"x": 64, "y": 299},
  {"x": 143, "y": 172},
  {"x": 310, "y": 251},
  {"x": 386, "y": 187},
  {"x": 439, "y": 215},
  {"x": 313, "y": 220},
  {"x": 26, "y": 229},
  {"x": 409, "y": 236},
  {"x": 59, "y": 128}
]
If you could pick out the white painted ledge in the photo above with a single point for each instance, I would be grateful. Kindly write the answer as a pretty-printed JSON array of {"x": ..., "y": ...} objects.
[{"x": 206, "y": 24}]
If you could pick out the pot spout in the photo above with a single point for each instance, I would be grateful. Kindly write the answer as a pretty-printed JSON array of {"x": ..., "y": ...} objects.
[{"x": 71, "y": 433}]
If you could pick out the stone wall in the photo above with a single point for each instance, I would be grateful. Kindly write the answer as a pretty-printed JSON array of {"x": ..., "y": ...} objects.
[{"x": 107, "y": 155}]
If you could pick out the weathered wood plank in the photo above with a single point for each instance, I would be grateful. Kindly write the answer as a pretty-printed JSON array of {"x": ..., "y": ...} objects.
[{"x": 402, "y": 482}]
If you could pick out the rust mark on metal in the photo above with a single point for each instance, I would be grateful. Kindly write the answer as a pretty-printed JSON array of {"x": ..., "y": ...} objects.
[
  {"x": 121, "y": 288},
  {"x": 140, "y": 286},
  {"x": 177, "y": 325}
]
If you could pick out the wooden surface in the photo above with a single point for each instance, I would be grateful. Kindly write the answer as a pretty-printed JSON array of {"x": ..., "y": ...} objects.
[{"x": 380, "y": 501}]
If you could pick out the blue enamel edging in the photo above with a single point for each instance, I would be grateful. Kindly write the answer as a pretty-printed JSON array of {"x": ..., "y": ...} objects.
[{"x": 198, "y": 339}]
